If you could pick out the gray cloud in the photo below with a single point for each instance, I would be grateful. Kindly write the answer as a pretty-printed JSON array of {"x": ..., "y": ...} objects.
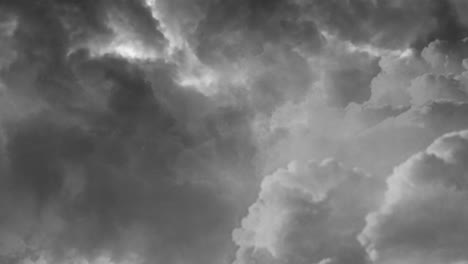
[
  {"x": 346, "y": 75},
  {"x": 389, "y": 24},
  {"x": 139, "y": 131},
  {"x": 307, "y": 213},
  {"x": 102, "y": 161},
  {"x": 243, "y": 28},
  {"x": 423, "y": 217},
  {"x": 108, "y": 168}
]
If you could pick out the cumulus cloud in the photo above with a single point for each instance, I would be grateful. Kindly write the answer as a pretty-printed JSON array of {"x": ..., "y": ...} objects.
[
  {"x": 430, "y": 87},
  {"x": 423, "y": 217},
  {"x": 307, "y": 213},
  {"x": 437, "y": 72},
  {"x": 416, "y": 97},
  {"x": 401, "y": 133}
]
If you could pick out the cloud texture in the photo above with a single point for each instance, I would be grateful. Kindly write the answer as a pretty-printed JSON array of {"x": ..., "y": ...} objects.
[
  {"x": 307, "y": 213},
  {"x": 182, "y": 131},
  {"x": 423, "y": 217}
]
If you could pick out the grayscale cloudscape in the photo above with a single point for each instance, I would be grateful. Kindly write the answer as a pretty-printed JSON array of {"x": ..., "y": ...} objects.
[{"x": 233, "y": 131}]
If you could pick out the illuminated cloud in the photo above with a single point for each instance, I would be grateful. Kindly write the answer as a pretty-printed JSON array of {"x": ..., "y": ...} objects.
[
  {"x": 423, "y": 217},
  {"x": 307, "y": 213}
]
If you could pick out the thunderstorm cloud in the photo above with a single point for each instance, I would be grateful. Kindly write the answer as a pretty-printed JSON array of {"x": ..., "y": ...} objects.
[{"x": 233, "y": 131}]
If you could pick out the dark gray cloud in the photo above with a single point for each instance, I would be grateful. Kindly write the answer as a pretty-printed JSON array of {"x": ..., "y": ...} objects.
[
  {"x": 227, "y": 29},
  {"x": 113, "y": 157},
  {"x": 127, "y": 161},
  {"x": 233, "y": 29},
  {"x": 346, "y": 75},
  {"x": 389, "y": 23}
]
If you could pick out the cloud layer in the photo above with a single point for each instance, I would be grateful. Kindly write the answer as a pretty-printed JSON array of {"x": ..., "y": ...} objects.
[{"x": 137, "y": 131}]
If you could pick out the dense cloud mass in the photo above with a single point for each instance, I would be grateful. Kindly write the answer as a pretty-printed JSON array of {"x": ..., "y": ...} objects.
[
  {"x": 423, "y": 218},
  {"x": 308, "y": 213},
  {"x": 226, "y": 131}
]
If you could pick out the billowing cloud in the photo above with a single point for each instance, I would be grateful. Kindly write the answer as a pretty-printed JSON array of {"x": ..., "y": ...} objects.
[
  {"x": 105, "y": 155},
  {"x": 307, "y": 213},
  {"x": 423, "y": 217},
  {"x": 412, "y": 78},
  {"x": 389, "y": 24},
  {"x": 119, "y": 164},
  {"x": 139, "y": 131},
  {"x": 233, "y": 29},
  {"x": 430, "y": 87}
]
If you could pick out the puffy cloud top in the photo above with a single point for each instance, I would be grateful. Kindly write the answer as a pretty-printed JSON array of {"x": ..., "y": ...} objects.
[
  {"x": 309, "y": 212},
  {"x": 423, "y": 217}
]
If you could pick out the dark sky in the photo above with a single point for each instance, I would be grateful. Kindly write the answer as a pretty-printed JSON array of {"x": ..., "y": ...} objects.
[{"x": 233, "y": 131}]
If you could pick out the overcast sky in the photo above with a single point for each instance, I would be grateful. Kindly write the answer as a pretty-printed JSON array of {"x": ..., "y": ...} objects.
[{"x": 233, "y": 132}]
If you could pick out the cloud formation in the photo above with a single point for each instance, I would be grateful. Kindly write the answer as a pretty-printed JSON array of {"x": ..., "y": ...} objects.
[
  {"x": 423, "y": 217},
  {"x": 307, "y": 213},
  {"x": 102, "y": 167},
  {"x": 105, "y": 156},
  {"x": 141, "y": 131}
]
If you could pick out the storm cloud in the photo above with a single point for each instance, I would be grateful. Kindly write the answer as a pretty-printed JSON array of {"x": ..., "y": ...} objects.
[{"x": 251, "y": 131}]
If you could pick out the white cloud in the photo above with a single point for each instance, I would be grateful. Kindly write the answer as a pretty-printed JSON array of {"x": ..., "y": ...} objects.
[{"x": 307, "y": 213}]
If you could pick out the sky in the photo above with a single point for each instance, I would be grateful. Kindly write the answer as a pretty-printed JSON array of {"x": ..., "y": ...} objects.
[{"x": 233, "y": 132}]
